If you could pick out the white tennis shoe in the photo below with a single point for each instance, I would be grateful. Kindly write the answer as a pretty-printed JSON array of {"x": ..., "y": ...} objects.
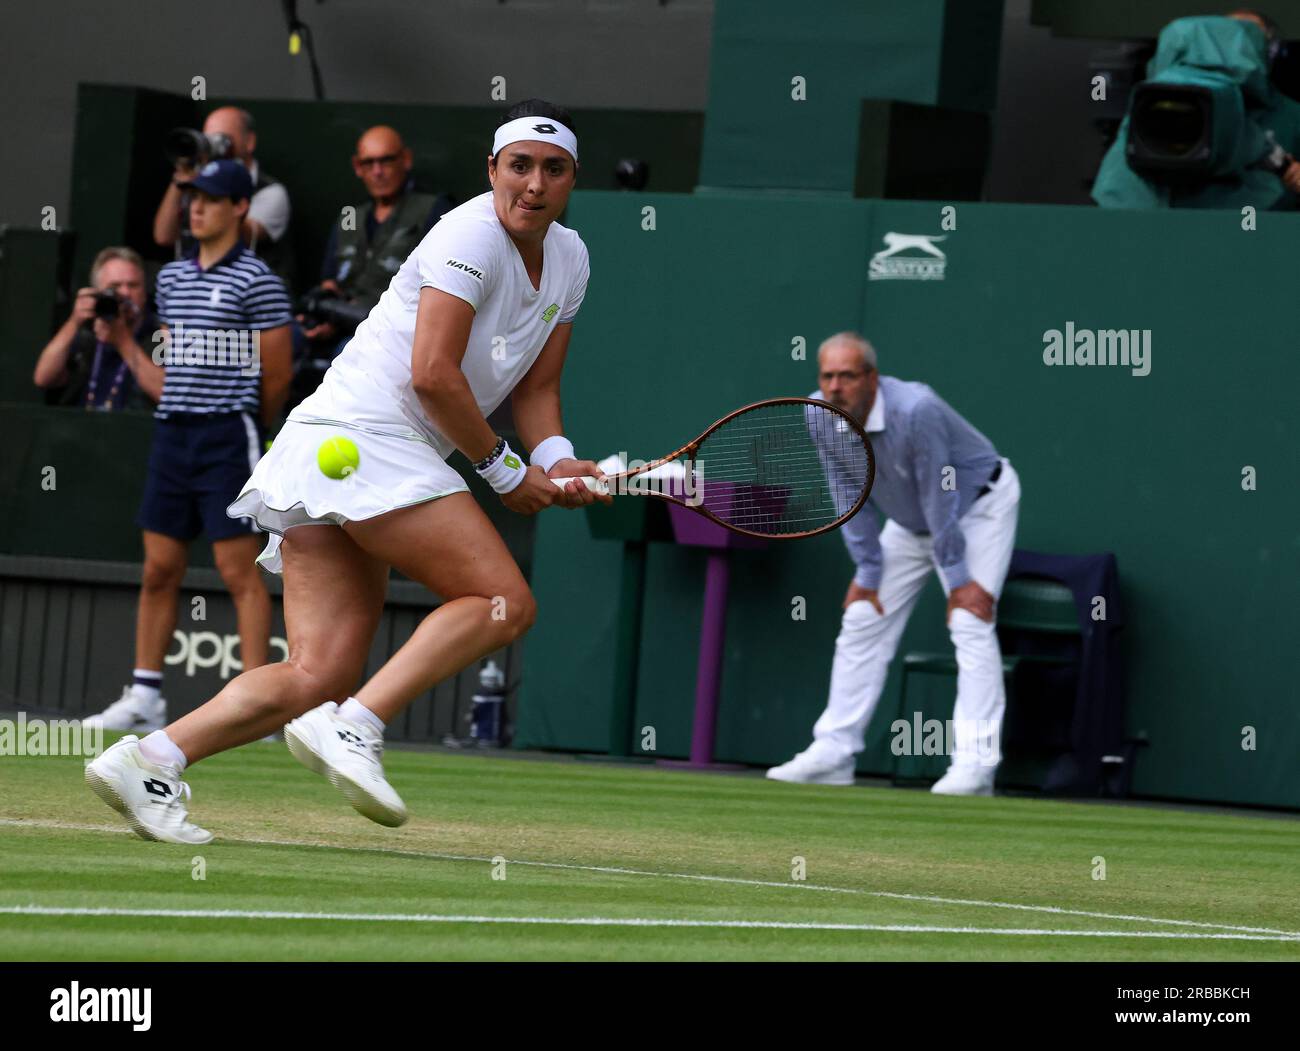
[
  {"x": 810, "y": 767},
  {"x": 964, "y": 781},
  {"x": 151, "y": 797},
  {"x": 130, "y": 712},
  {"x": 350, "y": 756}
]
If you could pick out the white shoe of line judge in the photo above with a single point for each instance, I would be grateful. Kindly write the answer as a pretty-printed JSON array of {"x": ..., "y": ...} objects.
[{"x": 813, "y": 766}]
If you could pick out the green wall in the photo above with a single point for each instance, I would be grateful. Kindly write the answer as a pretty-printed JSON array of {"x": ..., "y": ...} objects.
[
  {"x": 932, "y": 52},
  {"x": 696, "y": 317}
]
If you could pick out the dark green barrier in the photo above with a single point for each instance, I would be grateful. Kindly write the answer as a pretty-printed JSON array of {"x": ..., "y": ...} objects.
[
  {"x": 33, "y": 267},
  {"x": 933, "y": 52},
  {"x": 98, "y": 463},
  {"x": 697, "y": 317}
]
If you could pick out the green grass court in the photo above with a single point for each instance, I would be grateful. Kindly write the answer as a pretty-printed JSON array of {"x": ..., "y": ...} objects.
[{"x": 661, "y": 865}]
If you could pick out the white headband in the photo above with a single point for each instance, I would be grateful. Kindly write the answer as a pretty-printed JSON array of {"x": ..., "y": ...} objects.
[{"x": 536, "y": 129}]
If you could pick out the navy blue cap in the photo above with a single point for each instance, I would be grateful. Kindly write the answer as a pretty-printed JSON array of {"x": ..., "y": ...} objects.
[{"x": 222, "y": 178}]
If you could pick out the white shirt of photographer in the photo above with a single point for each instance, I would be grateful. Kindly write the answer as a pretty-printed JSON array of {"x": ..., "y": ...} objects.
[
  {"x": 867, "y": 641},
  {"x": 270, "y": 207}
]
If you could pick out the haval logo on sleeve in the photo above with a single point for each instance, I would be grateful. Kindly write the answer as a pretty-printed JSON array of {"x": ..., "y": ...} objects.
[
  {"x": 925, "y": 263},
  {"x": 456, "y": 264},
  {"x": 546, "y": 129}
]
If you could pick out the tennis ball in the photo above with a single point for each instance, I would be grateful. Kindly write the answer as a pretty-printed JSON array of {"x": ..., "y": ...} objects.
[{"x": 338, "y": 457}]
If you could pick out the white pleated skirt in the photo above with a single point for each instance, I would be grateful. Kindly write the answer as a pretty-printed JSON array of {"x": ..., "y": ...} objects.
[{"x": 288, "y": 488}]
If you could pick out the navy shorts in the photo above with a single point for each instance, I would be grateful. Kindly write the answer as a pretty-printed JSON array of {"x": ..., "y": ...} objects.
[{"x": 197, "y": 466}]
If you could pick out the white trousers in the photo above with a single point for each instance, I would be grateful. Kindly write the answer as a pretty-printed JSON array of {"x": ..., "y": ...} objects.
[{"x": 867, "y": 640}]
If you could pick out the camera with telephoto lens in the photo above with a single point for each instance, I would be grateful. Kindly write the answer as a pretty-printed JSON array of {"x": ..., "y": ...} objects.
[
  {"x": 321, "y": 305},
  {"x": 194, "y": 149}
]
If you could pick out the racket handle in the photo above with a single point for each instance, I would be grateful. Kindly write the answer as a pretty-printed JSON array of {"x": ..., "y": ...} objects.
[{"x": 594, "y": 484}]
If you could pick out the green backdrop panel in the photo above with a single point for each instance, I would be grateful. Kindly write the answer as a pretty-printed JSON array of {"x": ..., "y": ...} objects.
[
  {"x": 650, "y": 374},
  {"x": 697, "y": 316},
  {"x": 937, "y": 52}
]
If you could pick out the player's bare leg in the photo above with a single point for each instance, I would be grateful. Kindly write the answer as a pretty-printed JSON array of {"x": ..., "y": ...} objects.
[
  {"x": 333, "y": 599},
  {"x": 450, "y": 547},
  {"x": 236, "y": 560}
]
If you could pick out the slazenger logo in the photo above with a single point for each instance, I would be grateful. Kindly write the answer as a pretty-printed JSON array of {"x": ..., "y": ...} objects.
[
  {"x": 890, "y": 264},
  {"x": 456, "y": 264},
  {"x": 102, "y": 1005}
]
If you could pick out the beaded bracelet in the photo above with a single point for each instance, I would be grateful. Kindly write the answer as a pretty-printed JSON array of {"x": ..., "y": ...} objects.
[{"x": 486, "y": 462}]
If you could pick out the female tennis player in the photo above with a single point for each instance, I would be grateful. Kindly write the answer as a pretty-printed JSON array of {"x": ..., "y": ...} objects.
[{"x": 483, "y": 308}]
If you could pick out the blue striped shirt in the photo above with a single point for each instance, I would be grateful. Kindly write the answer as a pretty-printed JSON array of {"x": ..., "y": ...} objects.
[
  {"x": 914, "y": 435},
  {"x": 212, "y": 364}
]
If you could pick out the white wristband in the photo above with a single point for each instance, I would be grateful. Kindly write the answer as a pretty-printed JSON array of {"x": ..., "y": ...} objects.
[
  {"x": 551, "y": 451},
  {"x": 505, "y": 472}
]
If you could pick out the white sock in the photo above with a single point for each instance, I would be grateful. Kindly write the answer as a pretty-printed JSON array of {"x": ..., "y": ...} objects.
[
  {"x": 355, "y": 712},
  {"x": 161, "y": 750},
  {"x": 146, "y": 684}
]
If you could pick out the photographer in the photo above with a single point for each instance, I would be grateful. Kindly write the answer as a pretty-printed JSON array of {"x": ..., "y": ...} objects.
[
  {"x": 369, "y": 243},
  {"x": 97, "y": 358},
  {"x": 228, "y": 132}
]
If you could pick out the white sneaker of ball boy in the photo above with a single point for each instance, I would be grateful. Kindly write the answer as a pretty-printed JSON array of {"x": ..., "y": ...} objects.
[
  {"x": 137, "y": 710},
  {"x": 152, "y": 797}
]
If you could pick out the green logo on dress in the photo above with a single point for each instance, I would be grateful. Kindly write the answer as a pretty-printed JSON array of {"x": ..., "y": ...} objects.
[
  {"x": 512, "y": 462},
  {"x": 549, "y": 312}
]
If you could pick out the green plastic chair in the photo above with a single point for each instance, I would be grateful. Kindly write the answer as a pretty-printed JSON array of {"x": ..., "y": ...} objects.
[{"x": 1031, "y": 604}]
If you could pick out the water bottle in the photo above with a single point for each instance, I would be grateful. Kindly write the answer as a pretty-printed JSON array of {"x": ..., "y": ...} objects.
[{"x": 488, "y": 712}]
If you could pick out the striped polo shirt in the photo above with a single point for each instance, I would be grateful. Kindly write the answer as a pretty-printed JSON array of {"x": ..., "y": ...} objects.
[{"x": 211, "y": 359}]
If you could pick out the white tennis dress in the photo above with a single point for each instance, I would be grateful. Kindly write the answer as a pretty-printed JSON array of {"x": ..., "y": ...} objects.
[{"x": 367, "y": 396}]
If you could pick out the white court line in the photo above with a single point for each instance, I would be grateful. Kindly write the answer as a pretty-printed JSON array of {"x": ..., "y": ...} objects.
[
  {"x": 608, "y": 921},
  {"x": 432, "y": 855}
]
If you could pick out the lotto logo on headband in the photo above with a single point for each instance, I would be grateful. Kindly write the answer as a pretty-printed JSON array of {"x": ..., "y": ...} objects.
[{"x": 522, "y": 129}]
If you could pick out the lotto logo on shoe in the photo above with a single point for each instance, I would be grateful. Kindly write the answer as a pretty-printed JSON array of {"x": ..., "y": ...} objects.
[
  {"x": 76, "y": 1004},
  {"x": 348, "y": 737},
  {"x": 157, "y": 788}
]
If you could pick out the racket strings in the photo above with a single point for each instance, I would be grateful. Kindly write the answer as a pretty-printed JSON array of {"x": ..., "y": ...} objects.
[{"x": 783, "y": 469}]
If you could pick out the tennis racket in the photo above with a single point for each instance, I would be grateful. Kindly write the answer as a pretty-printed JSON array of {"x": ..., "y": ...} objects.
[{"x": 780, "y": 469}]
